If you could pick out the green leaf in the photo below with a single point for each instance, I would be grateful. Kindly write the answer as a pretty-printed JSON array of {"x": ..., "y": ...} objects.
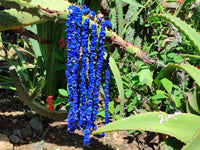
[
  {"x": 193, "y": 104},
  {"x": 146, "y": 74},
  {"x": 186, "y": 29},
  {"x": 118, "y": 79},
  {"x": 160, "y": 92},
  {"x": 130, "y": 107},
  {"x": 58, "y": 56},
  {"x": 101, "y": 113},
  {"x": 177, "y": 101},
  {"x": 59, "y": 101},
  {"x": 117, "y": 109},
  {"x": 168, "y": 85},
  {"x": 7, "y": 87},
  {"x": 194, "y": 144},
  {"x": 191, "y": 70},
  {"x": 13, "y": 19},
  {"x": 63, "y": 92},
  {"x": 60, "y": 67},
  {"x": 111, "y": 107},
  {"x": 179, "y": 125},
  {"x": 34, "y": 43},
  {"x": 128, "y": 93},
  {"x": 134, "y": 100},
  {"x": 131, "y": 2},
  {"x": 159, "y": 96}
]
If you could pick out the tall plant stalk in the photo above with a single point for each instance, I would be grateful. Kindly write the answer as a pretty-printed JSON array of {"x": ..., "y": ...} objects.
[{"x": 53, "y": 32}]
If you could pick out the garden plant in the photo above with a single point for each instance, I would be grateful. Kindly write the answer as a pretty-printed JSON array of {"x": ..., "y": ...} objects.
[{"x": 117, "y": 67}]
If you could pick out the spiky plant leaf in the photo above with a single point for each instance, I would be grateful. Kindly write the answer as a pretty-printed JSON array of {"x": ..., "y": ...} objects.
[
  {"x": 179, "y": 125},
  {"x": 38, "y": 89},
  {"x": 194, "y": 143},
  {"x": 186, "y": 29},
  {"x": 190, "y": 69}
]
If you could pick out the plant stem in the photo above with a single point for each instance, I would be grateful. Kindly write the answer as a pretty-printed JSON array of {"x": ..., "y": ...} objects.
[{"x": 127, "y": 25}]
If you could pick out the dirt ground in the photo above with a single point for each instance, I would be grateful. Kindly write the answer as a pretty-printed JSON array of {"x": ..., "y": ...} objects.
[{"x": 15, "y": 118}]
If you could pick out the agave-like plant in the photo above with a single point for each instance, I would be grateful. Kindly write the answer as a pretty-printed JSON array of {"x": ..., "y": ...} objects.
[{"x": 49, "y": 18}]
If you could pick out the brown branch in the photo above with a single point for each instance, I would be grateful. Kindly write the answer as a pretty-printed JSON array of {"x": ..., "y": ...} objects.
[
  {"x": 123, "y": 45},
  {"x": 30, "y": 34},
  {"x": 48, "y": 11}
]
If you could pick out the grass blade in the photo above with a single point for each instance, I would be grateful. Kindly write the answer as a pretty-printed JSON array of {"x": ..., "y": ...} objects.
[{"x": 119, "y": 83}]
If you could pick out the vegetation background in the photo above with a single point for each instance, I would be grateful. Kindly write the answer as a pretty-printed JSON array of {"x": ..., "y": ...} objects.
[{"x": 159, "y": 75}]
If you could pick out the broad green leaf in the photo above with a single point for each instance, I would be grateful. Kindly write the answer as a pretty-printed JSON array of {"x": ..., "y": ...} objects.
[
  {"x": 159, "y": 96},
  {"x": 101, "y": 113},
  {"x": 194, "y": 144},
  {"x": 118, "y": 79},
  {"x": 177, "y": 101},
  {"x": 168, "y": 85},
  {"x": 160, "y": 92},
  {"x": 117, "y": 109},
  {"x": 59, "y": 101},
  {"x": 111, "y": 107},
  {"x": 146, "y": 74},
  {"x": 179, "y": 125},
  {"x": 193, "y": 104},
  {"x": 13, "y": 19},
  {"x": 128, "y": 93},
  {"x": 130, "y": 107},
  {"x": 63, "y": 92},
  {"x": 191, "y": 70},
  {"x": 186, "y": 29}
]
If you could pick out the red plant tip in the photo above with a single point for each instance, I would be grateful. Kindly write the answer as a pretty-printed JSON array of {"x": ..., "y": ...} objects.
[
  {"x": 61, "y": 40},
  {"x": 50, "y": 97},
  {"x": 50, "y": 102},
  {"x": 62, "y": 44},
  {"x": 180, "y": 1},
  {"x": 198, "y": 67},
  {"x": 50, "y": 107}
]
